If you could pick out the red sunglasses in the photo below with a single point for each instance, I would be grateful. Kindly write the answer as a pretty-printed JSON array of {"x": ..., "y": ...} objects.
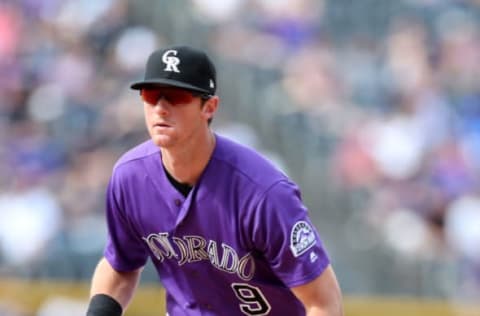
[{"x": 171, "y": 95}]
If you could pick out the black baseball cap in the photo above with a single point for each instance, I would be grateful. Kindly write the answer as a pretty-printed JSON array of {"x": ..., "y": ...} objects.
[{"x": 179, "y": 66}]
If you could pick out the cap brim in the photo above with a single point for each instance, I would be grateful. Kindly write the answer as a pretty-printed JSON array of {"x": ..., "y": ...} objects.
[{"x": 165, "y": 83}]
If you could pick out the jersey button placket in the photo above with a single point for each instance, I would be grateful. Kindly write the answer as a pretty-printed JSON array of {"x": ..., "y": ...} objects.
[
  {"x": 190, "y": 305},
  {"x": 178, "y": 207}
]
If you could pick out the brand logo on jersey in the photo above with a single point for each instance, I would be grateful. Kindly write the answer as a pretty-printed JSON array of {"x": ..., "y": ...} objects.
[
  {"x": 302, "y": 238},
  {"x": 171, "y": 62},
  {"x": 189, "y": 249}
]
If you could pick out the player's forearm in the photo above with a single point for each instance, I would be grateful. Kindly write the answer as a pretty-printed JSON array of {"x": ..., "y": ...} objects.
[
  {"x": 331, "y": 307},
  {"x": 332, "y": 310},
  {"x": 118, "y": 285},
  {"x": 322, "y": 296}
]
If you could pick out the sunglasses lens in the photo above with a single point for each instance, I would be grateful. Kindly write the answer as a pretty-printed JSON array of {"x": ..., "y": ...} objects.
[
  {"x": 151, "y": 96},
  {"x": 172, "y": 96},
  {"x": 175, "y": 96}
]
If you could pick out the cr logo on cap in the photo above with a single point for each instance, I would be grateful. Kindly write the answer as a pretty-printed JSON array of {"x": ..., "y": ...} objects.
[{"x": 171, "y": 61}]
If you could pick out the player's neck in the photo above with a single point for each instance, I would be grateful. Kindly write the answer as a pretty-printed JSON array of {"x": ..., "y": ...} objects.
[{"x": 187, "y": 162}]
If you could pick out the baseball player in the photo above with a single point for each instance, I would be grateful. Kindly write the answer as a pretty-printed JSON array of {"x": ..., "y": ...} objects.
[{"x": 226, "y": 231}]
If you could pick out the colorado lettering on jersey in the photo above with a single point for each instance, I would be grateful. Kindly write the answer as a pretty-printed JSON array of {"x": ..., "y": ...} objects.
[{"x": 189, "y": 249}]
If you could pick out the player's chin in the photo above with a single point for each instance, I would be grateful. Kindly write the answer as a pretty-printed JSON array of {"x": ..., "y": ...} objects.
[{"x": 162, "y": 140}]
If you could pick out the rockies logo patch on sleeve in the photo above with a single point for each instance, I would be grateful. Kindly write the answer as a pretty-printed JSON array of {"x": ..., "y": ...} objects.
[{"x": 302, "y": 238}]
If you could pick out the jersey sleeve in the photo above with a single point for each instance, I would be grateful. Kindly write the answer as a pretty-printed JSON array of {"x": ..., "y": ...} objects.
[
  {"x": 124, "y": 250},
  {"x": 285, "y": 235}
]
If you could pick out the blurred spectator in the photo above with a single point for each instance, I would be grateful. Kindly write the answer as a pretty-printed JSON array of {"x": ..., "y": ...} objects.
[
  {"x": 462, "y": 226},
  {"x": 217, "y": 12},
  {"x": 29, "y": 219}
]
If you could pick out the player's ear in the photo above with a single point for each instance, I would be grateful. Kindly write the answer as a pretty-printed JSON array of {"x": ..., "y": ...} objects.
[{"x": 210, "y": 107}]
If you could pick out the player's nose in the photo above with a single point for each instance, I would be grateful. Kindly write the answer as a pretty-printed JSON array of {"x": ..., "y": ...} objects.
[{"x": 162, "y": 106}]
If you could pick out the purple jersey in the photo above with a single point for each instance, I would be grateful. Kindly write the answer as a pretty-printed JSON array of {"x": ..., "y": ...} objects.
[{"x": 233, "y": 246}]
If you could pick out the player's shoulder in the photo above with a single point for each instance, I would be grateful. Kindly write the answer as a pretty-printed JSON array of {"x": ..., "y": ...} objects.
[
  {"x": 247, "y": 161},
  {"x": 135, "y": 155}
]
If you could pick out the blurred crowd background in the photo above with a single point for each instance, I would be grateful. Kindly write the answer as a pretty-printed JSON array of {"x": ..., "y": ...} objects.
[{"x": 372, "y": 107}]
